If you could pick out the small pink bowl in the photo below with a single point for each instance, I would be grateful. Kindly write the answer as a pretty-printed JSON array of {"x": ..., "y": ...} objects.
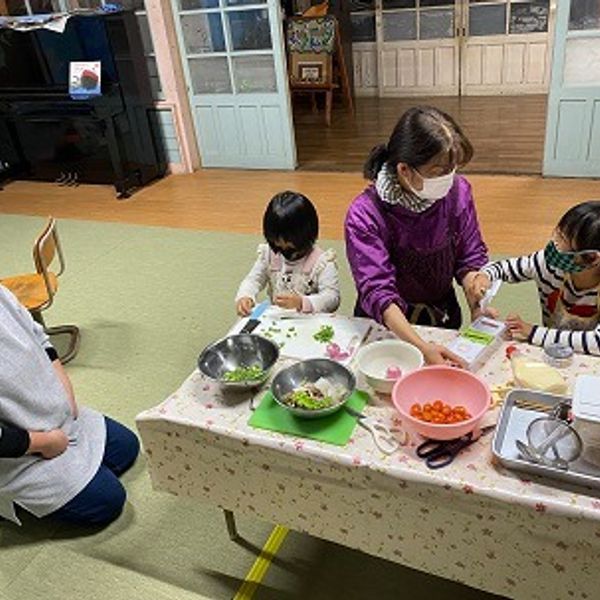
[{"x": 448, "y": 384}]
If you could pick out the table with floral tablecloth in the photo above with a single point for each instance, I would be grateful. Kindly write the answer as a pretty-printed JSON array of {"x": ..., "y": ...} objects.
[{"x": 473, "y": 521}]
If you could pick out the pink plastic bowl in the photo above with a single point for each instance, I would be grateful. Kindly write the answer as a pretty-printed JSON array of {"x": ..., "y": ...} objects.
[{"x": 448, "y": 384}]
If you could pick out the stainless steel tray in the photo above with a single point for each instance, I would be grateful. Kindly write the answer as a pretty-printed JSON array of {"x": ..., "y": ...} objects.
[{"x": 520, "y": 408}]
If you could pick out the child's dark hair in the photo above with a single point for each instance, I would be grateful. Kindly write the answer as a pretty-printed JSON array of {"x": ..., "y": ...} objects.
[
  {"x": 421, "y": 134},
  {"x": 292, "y": 217},
  {"x": 581, "y": 225}
]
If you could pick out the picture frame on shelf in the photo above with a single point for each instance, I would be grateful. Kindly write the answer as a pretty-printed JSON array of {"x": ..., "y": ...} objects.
[{"x": 310, "y": 72}]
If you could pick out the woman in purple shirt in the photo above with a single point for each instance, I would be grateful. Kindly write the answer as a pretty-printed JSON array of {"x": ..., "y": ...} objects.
[{"x": 414, "y": 230}]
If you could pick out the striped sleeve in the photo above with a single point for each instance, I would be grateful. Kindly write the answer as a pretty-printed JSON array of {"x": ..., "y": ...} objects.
[
  {"x": 584, "y": 342},
  {"x": 514, "y": 270}
]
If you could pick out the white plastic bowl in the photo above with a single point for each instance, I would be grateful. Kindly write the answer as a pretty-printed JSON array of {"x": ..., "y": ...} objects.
[{"x": 374, "y": 360}]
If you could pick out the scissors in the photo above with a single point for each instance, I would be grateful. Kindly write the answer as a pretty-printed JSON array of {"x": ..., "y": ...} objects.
[
  {"x": 439, "y": 454},
  {"x": 382, "y": 436}
]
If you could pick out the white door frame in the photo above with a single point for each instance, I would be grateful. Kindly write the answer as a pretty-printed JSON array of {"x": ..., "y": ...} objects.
[{"x": 235, "y": 129}]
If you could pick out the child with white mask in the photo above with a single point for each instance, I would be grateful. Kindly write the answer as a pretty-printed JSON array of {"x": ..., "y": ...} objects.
[{"x": 414, "y": 230}]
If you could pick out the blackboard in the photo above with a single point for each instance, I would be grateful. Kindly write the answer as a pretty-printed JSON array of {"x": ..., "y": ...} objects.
[{"x": 529, "y": 17}]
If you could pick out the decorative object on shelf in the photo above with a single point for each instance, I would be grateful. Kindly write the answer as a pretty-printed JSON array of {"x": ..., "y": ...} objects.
[{"x": 316, "y": 60}]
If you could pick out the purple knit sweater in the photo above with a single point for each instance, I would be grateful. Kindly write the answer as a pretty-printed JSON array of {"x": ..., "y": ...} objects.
[{"x": 381, "y": 239}]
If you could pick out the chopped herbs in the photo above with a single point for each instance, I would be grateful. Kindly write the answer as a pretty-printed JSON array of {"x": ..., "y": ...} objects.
[
  {"x": 325, "y": 334},
  {"x": 242, "y": 374}
]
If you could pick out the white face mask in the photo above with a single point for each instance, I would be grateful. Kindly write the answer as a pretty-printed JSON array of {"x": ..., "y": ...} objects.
[{"x": 435, "y": 188}]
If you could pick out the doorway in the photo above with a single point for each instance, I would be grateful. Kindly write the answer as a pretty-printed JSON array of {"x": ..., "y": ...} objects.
[{"x": 486, "y": 62}]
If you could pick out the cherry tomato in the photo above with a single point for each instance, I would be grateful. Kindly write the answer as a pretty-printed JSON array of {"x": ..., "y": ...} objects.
[
  {"x": 438, "y": 405},
  {"x": 427, "y": 407}
]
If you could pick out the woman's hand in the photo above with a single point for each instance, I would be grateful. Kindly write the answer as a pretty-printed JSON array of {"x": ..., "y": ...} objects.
[
  {"x": 518, "y": 329},
  {"x": 293, "y": 301},
  {"x": 244, "y": 306},
  {"x": 48, "y": 443},
  {"x": 476, "y": 284},
  {"x": 435, "y": 354}
]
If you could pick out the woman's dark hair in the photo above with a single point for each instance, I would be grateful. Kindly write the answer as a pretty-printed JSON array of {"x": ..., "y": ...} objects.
[
  {"x": 421, "y": 134},
  {"x": 581, "y": 225},
  {"x": 292, "y": 217}
]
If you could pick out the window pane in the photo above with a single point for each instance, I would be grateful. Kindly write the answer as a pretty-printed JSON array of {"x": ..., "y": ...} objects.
[
  {"x": 40, "y": 7},
  {"x": 85, "y": 3},
  {"x": 210, "y": 75},
  {"x": 145, "y": 34},
  {"x": 437, "y": 3},
  {"x": 254, "y": 74},
  {"x": 487, "y": 20},
  {"x": 585, "y": 14},
  {"x": 400, "y": 26},
  {"x": 154, "y": 79},
  {"x": 16, "y": 7},
  {"x": 582, "y": 62},
  {"x": 363, "y": 28},
  {"x": 436, "y": 24},
  {"x": 529, "y": 17},
  {"x": 360, "y": 5},
  {"x": 202, "y": 33},
  {"x": 387, "y": 4},
  {"x": 194, "y": 4},
  {"x": 242, "y": 2},
  {"x": 250, "y": 30}
]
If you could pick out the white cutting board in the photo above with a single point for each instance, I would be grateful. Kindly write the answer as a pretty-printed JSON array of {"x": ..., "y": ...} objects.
[{"x": 294, "y": 336}]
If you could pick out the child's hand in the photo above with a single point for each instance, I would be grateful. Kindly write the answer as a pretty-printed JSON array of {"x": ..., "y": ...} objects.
[
  {"x": 244, "y": 306},
  {"x": 476, "y": 287},
  {"x": 293, "y": 301},
  {"x": 489, "y": 311},
  {"x": 517, "y": 328}
]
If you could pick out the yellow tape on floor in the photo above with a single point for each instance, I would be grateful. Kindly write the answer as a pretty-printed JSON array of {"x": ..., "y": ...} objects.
[{"x": 262, "y": 563}]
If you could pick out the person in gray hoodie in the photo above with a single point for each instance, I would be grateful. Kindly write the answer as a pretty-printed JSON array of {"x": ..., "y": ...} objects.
[{"x": 57, "y": 459}]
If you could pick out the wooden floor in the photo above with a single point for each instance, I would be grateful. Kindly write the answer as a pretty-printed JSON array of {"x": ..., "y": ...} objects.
[
  {"x": 517, "y": 213},
  {"x": 507, "y": 132}
]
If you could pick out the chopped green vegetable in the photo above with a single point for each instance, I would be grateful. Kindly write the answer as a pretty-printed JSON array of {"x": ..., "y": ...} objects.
[
  {"x": 325, "y": 334},
  {"x": 304, "y": 399},
  {"x": 241, "y": 374}
]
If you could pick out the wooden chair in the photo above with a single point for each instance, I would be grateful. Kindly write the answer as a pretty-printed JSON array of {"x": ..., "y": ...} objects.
[
  {"x": 36, "y": 291},
  {"x": 316, "y": 60}
]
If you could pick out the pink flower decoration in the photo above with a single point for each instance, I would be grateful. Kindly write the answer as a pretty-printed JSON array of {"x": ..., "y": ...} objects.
[
  {"x": 356, "y": 460},
  {"x": 540, "y": 507},
  {"x": 299, "y": 446},
  {"x": 596, "y": 504},
  {"x": 334, "y": 352},
  {"x": 467, "y": 489}
]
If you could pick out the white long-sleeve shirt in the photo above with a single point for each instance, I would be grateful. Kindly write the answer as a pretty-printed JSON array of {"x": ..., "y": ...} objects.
[
  {"x": 570, "y": 316},
  {"x": 314, "y": 277}
]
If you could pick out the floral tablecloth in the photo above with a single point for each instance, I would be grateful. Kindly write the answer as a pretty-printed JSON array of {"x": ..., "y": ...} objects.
[{"x": 473, "y": 521}]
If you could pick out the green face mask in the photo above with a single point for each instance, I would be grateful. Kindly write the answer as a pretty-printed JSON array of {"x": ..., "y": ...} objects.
[{"x": 565, "y": 261}]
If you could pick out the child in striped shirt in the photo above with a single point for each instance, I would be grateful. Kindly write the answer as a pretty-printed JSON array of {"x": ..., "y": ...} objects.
[{"x": 567, "y": 274}]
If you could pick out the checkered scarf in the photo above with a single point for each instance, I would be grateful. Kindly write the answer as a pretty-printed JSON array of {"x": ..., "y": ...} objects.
[{"x": 389, "y": 189}]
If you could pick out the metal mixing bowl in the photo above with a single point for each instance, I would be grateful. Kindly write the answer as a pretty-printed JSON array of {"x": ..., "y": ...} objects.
[
  {"x": 308, "y": 371},
  {"x": 236, "y": 351}
]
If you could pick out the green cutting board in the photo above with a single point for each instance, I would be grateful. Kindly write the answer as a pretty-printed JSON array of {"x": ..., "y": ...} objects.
[{"x": 333, "y": 429}]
